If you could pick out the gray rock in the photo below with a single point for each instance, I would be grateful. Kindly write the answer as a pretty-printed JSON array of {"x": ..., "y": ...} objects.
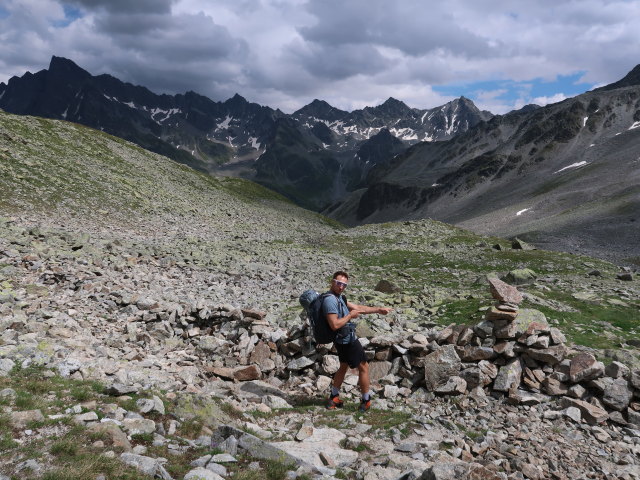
[
  {"x": 273, "y": 401},
  {"x": 19, "y": 420},
  {"x": 300, "y": 363},
  {"x": 521, "y": 276},
  {"x": 616, "y": 370},
  {"x": 573, "y": 413},
  {"x": 256, "y": 447},
  {"x": 146, "y": 465},
  {"x": 618, "y": 395},
  {"x": 440, "y": 365},
  {"x": 591, "y": 413},
  {"x": 135, "y": 426},
  {"x": 386, "y": 286},
  {"x": 454, "y": 386},
  {"x": 6, "y": 365},
  {"x": 154, "y": 404},
  {"x": 509, "y": 376}
]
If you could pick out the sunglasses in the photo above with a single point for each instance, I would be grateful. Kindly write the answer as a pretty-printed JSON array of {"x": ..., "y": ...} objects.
[{"x": 340, "y": 284}]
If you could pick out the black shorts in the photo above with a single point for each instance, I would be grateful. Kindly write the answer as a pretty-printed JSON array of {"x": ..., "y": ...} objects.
[{"x": 351, "y": 353}]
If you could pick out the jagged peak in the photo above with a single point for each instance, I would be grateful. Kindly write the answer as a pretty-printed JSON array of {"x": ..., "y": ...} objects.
[
  {"x": 320, "y": 109},
  {"x": 236, "y": 99},
  {"x": 59, "y": 65},
  {"x": 395, "y": 103}
]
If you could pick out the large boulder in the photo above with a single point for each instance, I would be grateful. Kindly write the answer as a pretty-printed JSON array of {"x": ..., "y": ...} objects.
[
  {"x": 509, "y": 376},
  {"x": 520, "y": 276},
  {"x": 618, "y": 395},
  {"x": 527, "y": 322},
  {"x": 440, "y": 365},
  {"x": 584, "y": 366}
]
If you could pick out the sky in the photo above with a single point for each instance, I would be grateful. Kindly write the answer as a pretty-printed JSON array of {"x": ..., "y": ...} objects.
[{"x": 351, "y": 53}]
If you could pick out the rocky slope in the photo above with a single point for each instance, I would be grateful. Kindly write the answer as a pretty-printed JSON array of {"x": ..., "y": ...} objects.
[
  {"x": 177, "y": 292},
  {"x": 564, "y": 176}
]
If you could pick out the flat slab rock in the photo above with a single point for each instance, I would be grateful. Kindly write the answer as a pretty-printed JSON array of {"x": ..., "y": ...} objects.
[{"x": 322, "y": 441}]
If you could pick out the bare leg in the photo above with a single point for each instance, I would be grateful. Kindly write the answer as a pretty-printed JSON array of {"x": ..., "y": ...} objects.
[
  {"x": 363, "y": 377},
  {"x": 338, "y": 378}
]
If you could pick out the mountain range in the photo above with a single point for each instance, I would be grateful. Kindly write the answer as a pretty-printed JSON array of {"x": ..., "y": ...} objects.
[
  {"x": 565, "y": 176},
  {"x": 314, "y": 156}
]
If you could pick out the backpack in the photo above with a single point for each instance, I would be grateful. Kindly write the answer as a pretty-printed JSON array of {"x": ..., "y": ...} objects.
[{"x": 312, "y": 301}]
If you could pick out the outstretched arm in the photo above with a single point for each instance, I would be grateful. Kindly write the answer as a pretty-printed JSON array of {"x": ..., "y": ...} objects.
[{"x": 366, "y": 309}]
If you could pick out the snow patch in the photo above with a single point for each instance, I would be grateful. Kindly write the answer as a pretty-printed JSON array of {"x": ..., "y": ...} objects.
[
  {"x": 224, "y": 124},
  {"x": 254, "y": 142},
  {"x": 592, "y": 145},
  {"x": 167, "y": 114},
  {"x": 130, "y": 104},
  {"x": 436, "y": 184},
  {"x": 520, "y": 212},
  {"x": 2, "y": 94},
  {"x": 573, "y": 165},
  {"x": 584, "y": 121},
  {"x": 635, "y": 125}
]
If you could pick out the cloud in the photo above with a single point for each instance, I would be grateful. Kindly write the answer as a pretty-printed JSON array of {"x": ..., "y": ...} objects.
[{"x": 284, "y": 53}]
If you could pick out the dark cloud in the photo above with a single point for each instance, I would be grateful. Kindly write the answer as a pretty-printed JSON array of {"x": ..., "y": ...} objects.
[
  {"x": 415, "y": 28},
  {"x": 339, "y": 63},
  {"x": 125, "y": 6},
  {"x": 284, "y": 53}
]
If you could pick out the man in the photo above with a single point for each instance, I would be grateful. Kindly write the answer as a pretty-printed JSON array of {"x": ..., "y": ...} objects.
[{"x": 340, "y": 314}]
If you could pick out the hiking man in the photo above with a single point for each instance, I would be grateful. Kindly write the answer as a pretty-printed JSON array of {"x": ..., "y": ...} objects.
[{"x": 340, "y": 314}]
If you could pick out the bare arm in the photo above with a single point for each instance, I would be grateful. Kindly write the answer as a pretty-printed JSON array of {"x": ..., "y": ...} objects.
[
  {"x": 335, "y": 323},
  {"x": 365, "y": 309}
]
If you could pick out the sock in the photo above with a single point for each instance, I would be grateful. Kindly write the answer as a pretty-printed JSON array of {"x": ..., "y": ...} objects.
[
  {"x": 366, "y": 397},
  {"x": 334, "y": 391}
]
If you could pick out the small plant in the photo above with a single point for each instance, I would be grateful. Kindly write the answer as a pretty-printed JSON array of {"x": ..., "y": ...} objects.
[
  {"x": 142, "y": 438},
  {"x": 191, "y": 428},
  {"x": 66, "y": 447}
]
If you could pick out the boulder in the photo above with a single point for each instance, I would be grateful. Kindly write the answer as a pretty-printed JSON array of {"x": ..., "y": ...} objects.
[
  {"x": 618, "y": 395},
  {"x": 19, "y": 420},
  {"x": 528, "y": 322},
  {"x": 116, "y": 436},
  {"x": 504, "y": 292},
  {"x": 146, "y": 465},
  {"x": 201, "y": 473},
  {"x": 551, "y": 355},
  {"x": 520, "y": 276},
  {"x": 591, "y": 413},
  {"x": 509, "y": 376},
  {"x": 386, "y": 286},
  {"x": 584, "y": 366},
  {"x": 440, "y": 365},
  {"x": 518, "y": 244}
]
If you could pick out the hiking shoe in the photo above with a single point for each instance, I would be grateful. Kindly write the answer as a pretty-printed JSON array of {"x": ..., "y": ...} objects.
[
  {"x": 334, "y": 402},
  {"x": 365, "y": 405}
]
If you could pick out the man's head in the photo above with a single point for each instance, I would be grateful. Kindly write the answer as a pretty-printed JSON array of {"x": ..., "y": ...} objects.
[{"x": 339, "y": 282}]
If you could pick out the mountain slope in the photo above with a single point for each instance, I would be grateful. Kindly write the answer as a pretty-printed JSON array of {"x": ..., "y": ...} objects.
[
  {"x": 565, "y": 175},
  {"x": 228, "y": 137}
]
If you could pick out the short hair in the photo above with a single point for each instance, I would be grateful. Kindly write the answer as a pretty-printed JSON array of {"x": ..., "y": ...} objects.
[{"x": 340, "y": 273}]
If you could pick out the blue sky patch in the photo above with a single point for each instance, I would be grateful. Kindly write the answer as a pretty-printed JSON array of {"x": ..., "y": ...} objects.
[
  {"x": 71, "y": 14},
  {"x": 515, "y": 94}
]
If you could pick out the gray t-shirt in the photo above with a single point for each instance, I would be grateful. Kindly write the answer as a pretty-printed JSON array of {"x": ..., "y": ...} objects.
[{"x": 332, "y": 304}]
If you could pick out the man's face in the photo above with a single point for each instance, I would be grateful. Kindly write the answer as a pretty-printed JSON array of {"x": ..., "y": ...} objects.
[{"x": 338, "y": 284}]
